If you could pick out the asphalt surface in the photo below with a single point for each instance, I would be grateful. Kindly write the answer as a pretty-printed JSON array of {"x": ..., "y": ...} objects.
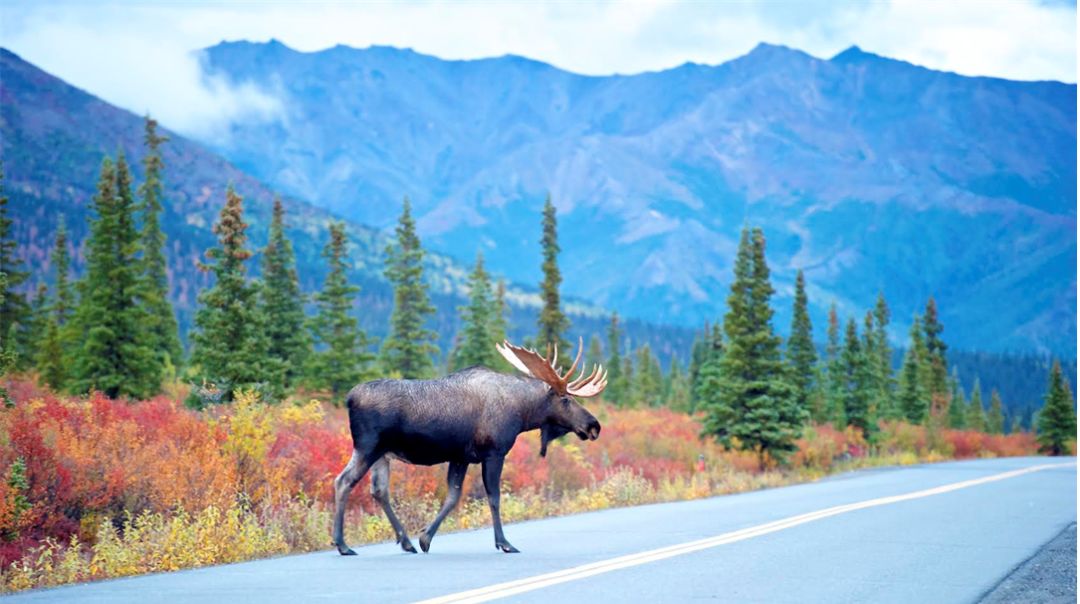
[{"x": 949, "y": 544}]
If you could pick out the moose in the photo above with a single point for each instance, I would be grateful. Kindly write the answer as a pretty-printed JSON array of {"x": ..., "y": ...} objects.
[{"x": 468, "y": 417}]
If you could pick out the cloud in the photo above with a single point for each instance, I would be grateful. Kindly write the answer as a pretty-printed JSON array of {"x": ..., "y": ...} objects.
[
  {"x": 126, "y": 63},
  {"x": 139, "y": 55}
]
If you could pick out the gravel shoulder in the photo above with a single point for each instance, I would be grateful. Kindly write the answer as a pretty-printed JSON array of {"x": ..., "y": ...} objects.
[{"x": 1047, "y": 577}]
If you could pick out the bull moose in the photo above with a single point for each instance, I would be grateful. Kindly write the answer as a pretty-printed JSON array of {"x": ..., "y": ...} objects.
[{"x": 471, "y": 416}]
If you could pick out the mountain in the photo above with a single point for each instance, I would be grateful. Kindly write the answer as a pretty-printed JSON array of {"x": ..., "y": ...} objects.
[
  {"x": 53, "y": 138},
  {"x": 870, "y": 174}
]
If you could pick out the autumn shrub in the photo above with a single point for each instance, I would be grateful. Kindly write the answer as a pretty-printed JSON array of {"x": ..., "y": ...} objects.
[{"x": 93, "y": 488}]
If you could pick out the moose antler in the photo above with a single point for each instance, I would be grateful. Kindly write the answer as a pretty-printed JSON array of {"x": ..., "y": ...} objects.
[{"x": 530, "y": 362}]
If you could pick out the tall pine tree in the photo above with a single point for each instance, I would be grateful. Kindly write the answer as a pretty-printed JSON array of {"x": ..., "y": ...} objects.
[
  {"x": 834, "y": 373},
  {"x": 116, "y": 354},
  {"x": 617, "y": 383},
  {"x": 163, "y": 332},
  {"x": 752, "y": 405},
  {"x": 283, "y": 304},
  {"x": 1057, "y": 418},
  {"x": 912, "y": 395},
  {"x": 995, "y": 419},
  {"x": 54, "y": 356},
  {"x": 477, "y": 337},
  {"x": 935, "y": 351},
  {"x": 976, "y": 414},
  {"x": 14, "y": 309},
  {"x": 552, "y": 322},
  {"x": 407, "y": 350},
  {"x": 801, "y": 355},
  {"x": 857, "y": 387},
  {"x": 342, "y": 359},
  {"x": 229, "y": 343}
]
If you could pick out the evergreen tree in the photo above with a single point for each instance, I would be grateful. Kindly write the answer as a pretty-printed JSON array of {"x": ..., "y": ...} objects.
[
  {"x": 912, "y": 394},
  {"x": 935, "y": 350},
  {"x": 39, "y": 319},
  {"x": 14, "y": 309},
  {"x": 801, "y": 355},
  {"x": 626, "y": 374},
  {"x": 476, "y": 343},
  {"x": 976, "y": 413},
  {"x": 697, "y": 358},
  {"x": 595, "y": 353},
  {"x": 1057, "y": 418},
  {"x": 617, "y": 383},
  {"x": 499, "y": 327},
  {"x": 648, "y": 382},
  {"x": 883, "y": 369},
  {"x": 283, "y": 304},
  {"x": 995, "y": 419},
  {"x": 342, "y": 359},
  {"x": 408, "y": 348},
  {"x": 752, "y": 405},
  {"x": 677, "y": 387},
  {"x": 116, "y": 354},
  {"x": 58, "y": 338},
  {"x": 857, "y": 387},
  {"x": 552, "y": 322},
  {"x": 163, "y": 331},
  {"x": 958, "y": 408},
  {"x": 229, "y": 342},
  {"x": 834, "y": 374}
]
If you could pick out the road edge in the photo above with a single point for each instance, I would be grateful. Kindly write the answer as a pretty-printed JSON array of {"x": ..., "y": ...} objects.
[{"x": 1048, "y": 575}]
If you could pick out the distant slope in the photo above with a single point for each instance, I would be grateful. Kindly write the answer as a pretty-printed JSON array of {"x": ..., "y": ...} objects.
[
  {"x": 53, "y": 138},
  {"x": 869, "y": 173}
]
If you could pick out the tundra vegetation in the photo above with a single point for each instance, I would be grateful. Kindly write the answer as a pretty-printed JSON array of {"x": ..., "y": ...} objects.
[{"x": 120, "y": 455}]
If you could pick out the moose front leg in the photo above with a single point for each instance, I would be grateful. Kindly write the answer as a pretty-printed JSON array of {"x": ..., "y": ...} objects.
[
  {"x": 492, "y": 470},
  {"x": 344, "y": 483},
  {"x": 455, "y": 476},
  {"x": 380, "y": 490}
]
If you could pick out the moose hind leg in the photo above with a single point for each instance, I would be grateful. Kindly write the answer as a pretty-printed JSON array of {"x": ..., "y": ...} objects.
[
  {"x": 343, "y": 484},
  {"x": 380, "y": 490},
  {"x": 492, "y": 469},
  {"x": 455, "y": 476}
]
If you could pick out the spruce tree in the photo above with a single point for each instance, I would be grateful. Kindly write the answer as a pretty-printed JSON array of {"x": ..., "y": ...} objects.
[
  {"x": 976, "y": 413},
  {"x": 935, "y": 350},
  {"x": 677, "y": 388},
  {"x": 857, "y": 388},
  {"x": 14, "y": 309},
  {"x": 834, "y": 374},
  {"x": 958, "y": 407},
  {"x": 648, "y": 378},
  {"x": 752, "y": 405},
  {"x": 283, "y": 304},
  {"x": 801, "y": 355},
  {"x": 115, "y": 353},
  {"x": 229, "y": 342},
  {"x": 342, "y": 359},
  {"x": 912, "y": 395},
  {"x": 995, "y": 419},
  {"x": 595, "y": 353},
  {"x": 1057, "y": 418},
  {"x": 617, "y": 386},
  {"x": 552, "y": 323},
  {"x": 52, "y": 362},
  {"x": 477, "y": 338},
  {"x": 163, "y": 331},
  {"x": 407, "y": 350},
  {"x": 883, "y": 369}
]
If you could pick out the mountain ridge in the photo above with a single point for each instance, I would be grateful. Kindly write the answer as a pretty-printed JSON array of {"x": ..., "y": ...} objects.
[{"x": 653, "y": 174}]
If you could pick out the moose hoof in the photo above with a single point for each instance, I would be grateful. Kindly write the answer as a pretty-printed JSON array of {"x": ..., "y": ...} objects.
[
  {"x": 345, "y": 551},
  {"x": 507, "y": 548},
  {"x": 425, "y": 542},
  {"x": 408, "y": 546}
]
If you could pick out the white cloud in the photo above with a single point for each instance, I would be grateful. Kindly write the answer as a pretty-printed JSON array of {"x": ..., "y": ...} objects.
[{"x": 138, "y": 54}]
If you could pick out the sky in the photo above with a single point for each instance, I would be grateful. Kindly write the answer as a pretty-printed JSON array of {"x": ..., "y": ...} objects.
[{"x": 143, "y": 55}]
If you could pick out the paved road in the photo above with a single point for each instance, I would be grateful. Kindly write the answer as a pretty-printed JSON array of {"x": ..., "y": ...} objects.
[{"x": 935, "y": 533}]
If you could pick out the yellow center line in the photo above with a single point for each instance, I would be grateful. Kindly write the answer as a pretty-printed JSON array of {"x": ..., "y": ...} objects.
[{"x": 518, "y": 586}]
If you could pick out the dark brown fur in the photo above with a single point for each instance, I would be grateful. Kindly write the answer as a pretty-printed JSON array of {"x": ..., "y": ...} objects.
[{"x": 472, "y": 416}]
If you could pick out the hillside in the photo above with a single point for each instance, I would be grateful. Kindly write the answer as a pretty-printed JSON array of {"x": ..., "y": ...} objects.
[
  {"x": 869, "y": 173},
  {"x": 53, "y": 138}
]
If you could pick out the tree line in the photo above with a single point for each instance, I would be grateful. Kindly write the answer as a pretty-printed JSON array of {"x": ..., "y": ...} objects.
[{"x": 115, "y": 331}]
